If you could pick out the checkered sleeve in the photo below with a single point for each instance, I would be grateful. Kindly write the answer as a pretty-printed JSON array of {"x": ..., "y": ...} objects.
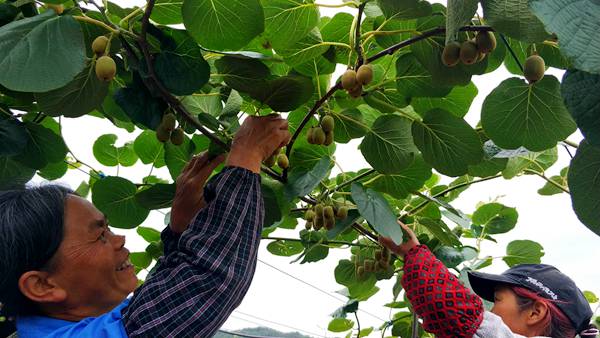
[
  {"x": 204, "y": 278},
  {"x": 447, "y": 307}
]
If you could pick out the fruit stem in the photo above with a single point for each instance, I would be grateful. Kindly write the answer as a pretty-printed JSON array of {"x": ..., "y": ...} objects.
[
  {"x": 96, "y": 22},
  {"x": 512, "y": 52},
  {"x": 357, "y": 45},
  {"x": 548, "y": 180}
]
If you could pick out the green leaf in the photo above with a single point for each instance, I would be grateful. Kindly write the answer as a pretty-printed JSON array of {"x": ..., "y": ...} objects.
[
  {"x": 584, "y": 184},
  {"x": 83, "y": 189},
  {"x": 495, "y": 218},
  {"x": 285, "y": 248},
  {"x": 516, "y": 114},
  {"x": 310, "y": 47},
  {"x": 148, "y": 234},
  {"x": 447, "y": 142},
  {"x": 515, "y": 19},
  {"x": 149, "y": 149},
  {"x": 523, "y": 252},
  {"x": 79, "y": 97},
  {"x": 336, "y": 30},
  {"x": 349, "y": 125},
  {"x": 286, "y": 93},
  {"x": 551, "y": 189},
  {"x": 340, "y": 325},
  {"x": 115, "y": 197},
  {"x": 580, "y": 90},
  {"x": 441, "y": 231},
  {"x": 376, "y": 210},
  {"x": 306, "y": 156},
  {"x": 590, "y": 297},
  {"x": 413, "y": 80},
  {"x": 405, "y": 182},
  {"x": 14, "y": 137},
  {"x": 275, "y": 204},
  {"x": 458, "y": 101},
  {"x": 32, "y": 57},
  {"x": 176, "y": 157},
  {"x": 576, "y": 23},
  {"x": 407, "y": 9},
  {"x": 241, "y": 74},
  {"x": 538, "y": 162},
  {"x": 459, "y": 13},
  {"x": 140, "y": 260},
  {"x": 181, "y": 74},
  {"x": 167, "y": 12},
  {"x": 106, "y": 153},
  {"x": 158, "y": 196},
  {"x": 388, "y": 146},
  {"x": 452, "y": 257},
  {"x": 53, "y": 170},
  {"x": 13, "y": 175},
  {"x": 301, "y": 182},
  {"x": 140, "y": 105},
  {"x": 288, "y": 21},
  {"x": 43, "y": 146},
  {"x": 223, "y": 24}
]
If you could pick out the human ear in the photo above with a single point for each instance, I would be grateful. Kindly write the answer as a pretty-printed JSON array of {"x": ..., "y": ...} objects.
[
  {"x": 536, "y": 313},
  {"x": 40, "y": 288}
]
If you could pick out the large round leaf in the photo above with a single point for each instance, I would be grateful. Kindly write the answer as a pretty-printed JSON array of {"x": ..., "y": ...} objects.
[
  {"x": 308, "y": 48},
  {"x": 495, "y": 218},
  {"x": 288, "y": 21},
  {"x": 41, "y": 53},
  {"x": 580, "y": 92},
  {"x": 458, "y": 101},
  {"x": 302, "y": 181},
  {"x": 106, "y": 153},
  {"x": 115, "y": 197},
  {"x": 176, "y": 157},
  {"x": 13, "y": 175},
  {"x": 413, "y": 80},
  {"x": 584, "y": 184},
  {"x": 515, "y": 19},
  {"x": 167, "y": 12},
  {"x": 376, "y": 210},
  {"x": 79, "y": 97},
  {"x": 43, "y": 146},
  {"x": 576, "y": 23},
  {"x": 149, "y": 149},
  {"x": 523, "y": 252},
  {"x": 181, "y": 74},
  {"x": 286, "y": 93},
  {"x": 406, "y": 9},
  {"x": 158, "y": 196},
  {"x": 388, "y": 146},
  {"x": 14, "y": 137},
  {"x": 348, "y": 125},
  {"x": 408, "y": 180},
  {"x": 447, "y": 142},
  {"x": 223, "y": 24},
  {"x": 460, "y": 12},
  {"x": 534, "y": 116}
]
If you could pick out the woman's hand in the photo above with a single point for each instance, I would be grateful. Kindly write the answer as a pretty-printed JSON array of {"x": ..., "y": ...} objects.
[
  {"x": 189, "y": 194},
  {"x": 257, "y": 139},
  {"x": 403, "y": 248}
]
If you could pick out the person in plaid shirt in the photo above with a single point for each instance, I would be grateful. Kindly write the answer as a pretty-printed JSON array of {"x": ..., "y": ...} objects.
[{"x": 65, "y": 274}]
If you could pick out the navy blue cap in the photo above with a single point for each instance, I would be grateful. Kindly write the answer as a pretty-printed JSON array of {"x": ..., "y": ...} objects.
[{"x": 545, "y": 280}]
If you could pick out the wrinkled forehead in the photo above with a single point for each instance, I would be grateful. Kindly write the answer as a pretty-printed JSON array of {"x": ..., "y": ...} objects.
[{"x": 81, "y": 215}]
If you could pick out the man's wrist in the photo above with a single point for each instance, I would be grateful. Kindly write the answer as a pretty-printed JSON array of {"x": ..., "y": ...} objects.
[{"x": 247, "y": 160}]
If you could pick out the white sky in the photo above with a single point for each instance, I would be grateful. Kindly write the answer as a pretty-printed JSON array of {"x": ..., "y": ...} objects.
[{"x": 276, "y": 297}]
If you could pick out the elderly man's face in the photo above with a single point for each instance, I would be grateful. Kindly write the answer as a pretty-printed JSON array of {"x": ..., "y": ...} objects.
[{"x": 92, "y": 264}]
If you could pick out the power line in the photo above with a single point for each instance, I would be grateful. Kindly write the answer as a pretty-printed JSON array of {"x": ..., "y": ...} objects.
[
  {"x": 237, "y": 334},
  {"x": 280, "y": 324},
  {"x": 318, "y": 289}
]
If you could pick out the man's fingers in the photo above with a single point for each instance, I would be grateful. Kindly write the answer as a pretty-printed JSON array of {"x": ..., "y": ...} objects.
[
  {"x": 199, "y": 161},
  {"x": 388, "y": 243}
]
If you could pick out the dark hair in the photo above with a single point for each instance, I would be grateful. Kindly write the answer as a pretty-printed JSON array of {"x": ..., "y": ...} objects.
[
  {"x": 556, "y": 323},
  {"x": 31, "y": 230}
]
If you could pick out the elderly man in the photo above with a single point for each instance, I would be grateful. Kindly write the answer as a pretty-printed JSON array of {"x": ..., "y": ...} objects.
[{"x": 63, "y": 273}]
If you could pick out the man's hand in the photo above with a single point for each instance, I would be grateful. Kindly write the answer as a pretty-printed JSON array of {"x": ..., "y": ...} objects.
[
  {"x": 257, "y": 139},
  {"x": 189, "y": 197},
  {"x": 403, "y": 248}
]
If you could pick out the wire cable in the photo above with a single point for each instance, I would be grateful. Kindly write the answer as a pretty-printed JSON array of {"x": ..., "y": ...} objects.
[{"x": 280, "y": 324}]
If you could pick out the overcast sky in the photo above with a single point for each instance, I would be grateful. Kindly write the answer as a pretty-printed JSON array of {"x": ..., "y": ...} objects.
[{"x": 281, "y": 299}]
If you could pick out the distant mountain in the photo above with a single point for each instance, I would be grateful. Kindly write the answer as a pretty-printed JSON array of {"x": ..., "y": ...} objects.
[{"x": 262, "y": 331}]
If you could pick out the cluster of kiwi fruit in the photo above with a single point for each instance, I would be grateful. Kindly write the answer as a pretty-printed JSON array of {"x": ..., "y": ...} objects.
[
  {"x": 322, "y": 215},
  {"x": 470, "y": 51},
  {"x": 281, "y": 159},
  {"x": 323, "y": 133},
  {"x": 380, "y": 262},
  {"x": 106, "y": 68},
  {"x": 353, "y": 81},
  {"x": 166, "y": 130}
]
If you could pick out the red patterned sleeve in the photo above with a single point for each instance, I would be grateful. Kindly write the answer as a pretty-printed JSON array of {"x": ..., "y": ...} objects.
[{"x": 447, "y": 307}]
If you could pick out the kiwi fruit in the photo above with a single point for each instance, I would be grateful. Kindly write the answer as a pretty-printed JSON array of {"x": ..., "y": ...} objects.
[
  {"x": 106, "y": 68},
  {"x": 485, "y": 41},
  {"x": 177, "y": 136},
  {"x": 364, "y": 75},
  {"x": 342, "y": 212},
  {"x": 468, "y": 52},
  {"x": 328, "y": 138},
  {"x": 349, "y": 79},
  {"x": 319, "y": 135},
  {"x": 270, "y": 161},
  {"x": 99, "y": 44},
  {"x": 282, "y": 161},
  {"x": 162, "y": 134},
  {"x": 168, "y": 121},
  {"x": 328, "y": 212},
  {"x": 451, "y": 54},
  {"x": 309, "y": 215},
  {"x": 355, "y": 92},
  {"x": 327, "y": 123},
  {"x": 534, "y": 68}
]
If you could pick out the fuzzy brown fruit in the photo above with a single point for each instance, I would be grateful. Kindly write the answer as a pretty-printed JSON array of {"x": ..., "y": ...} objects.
[
  {"x": 309, "y": 215},
  {"x": 282, "y": 161},
  {"x": 360, "y": 271},
  {"x": 308, "y": 225},
  {"x": 177, "y": 137},
  {"x": 270, "y": 161},
  {"x": 328, "y": 138},
  {"x": 106, "y": 68},
  {"x": 168, "y": 121},
  {"x": 329, "y": 223},
  {"x": 319, "y": 135},
  {"x": 468, "y": 52},
  {"x": 364, "y": 75},
  {"x": 451, "y": 54},
  {"x": 342, "y": 212},
  {"x": 162, "y": 134},
  {"x": 369, "y": 265},
  {"x": 310, "y": 135},
  {"x": 327, "y": 123},
  {"x": 485, "y": 41},
  {"x": 349, "y": 79},
  {"x": 378, "y": 254},
  {"x": 328, "y": 212},
  {"x": 355, "y": 92},
  {"x": 534, "y": 68},
  {"x": 99, "y": 44}
]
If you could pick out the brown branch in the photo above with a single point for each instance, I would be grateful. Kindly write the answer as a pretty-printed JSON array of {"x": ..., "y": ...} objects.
[
  {"x": 357, "y": 45},
  {"x": 365, "y": 232}
]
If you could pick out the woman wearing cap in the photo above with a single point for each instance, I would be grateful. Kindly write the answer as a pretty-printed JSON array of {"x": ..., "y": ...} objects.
[{"x": 530, "y": 300}]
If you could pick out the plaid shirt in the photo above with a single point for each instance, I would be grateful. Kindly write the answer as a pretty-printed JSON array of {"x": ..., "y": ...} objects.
[{"x": 206, "y": 271}]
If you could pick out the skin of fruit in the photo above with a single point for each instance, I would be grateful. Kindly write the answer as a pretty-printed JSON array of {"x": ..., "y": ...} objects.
[
  {"x": 534, "y": 68},
  {"x": 319, "y": 135},
  {"x": 106, "y": 68},
  {"x": 168, "y": 121},
  {"x": 99, "y": 44},
  {"x": 328, "y": 138},
  {"x": 270, "y": 161},
  {"x": 369, "y": 265},
  {"x": 468, "y": 52},
  {"x": 451, "y": 54},
  {"x": 342, "y": 212},
  {"x": 364, "y": 75},
  {"x": 328, "y": 212},
  {"x": 310, "y": 136},
  {"x": 309, "y": 215},
  {"x": 360, "y": 271},
  {"x": 177, "y": 136},
  {"x": 378, "y": 254},
  {"x": 485, "y": 41},
  {"x": 319, "y": 222},
  {"x": 481, "y": 57},
  {"x": 355, "y": 92},
  {"x": 282, "y": 161},
  {"x": 329, "y": 223},
  {"x": 319, "y": 210},
  {"x": 349, "y": 79},
  {"x": 327, "y": 123},
  {"x": 308, "y": 225},
  {"x": 162, "y": 134}
]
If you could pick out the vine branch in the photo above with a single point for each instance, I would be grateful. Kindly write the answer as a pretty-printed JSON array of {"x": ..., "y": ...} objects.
[
  {"x": 320, "y": 241},
  {"x": 512, "y": 52},
  {"x": 548, "y": 180},
  {"x": 350, "y": 181},
  {"x": 357, "y": 45}
]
